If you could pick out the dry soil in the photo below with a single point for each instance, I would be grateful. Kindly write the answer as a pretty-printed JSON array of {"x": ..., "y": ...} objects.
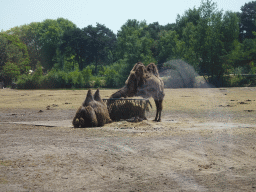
[{"x": 205, "y": 142}]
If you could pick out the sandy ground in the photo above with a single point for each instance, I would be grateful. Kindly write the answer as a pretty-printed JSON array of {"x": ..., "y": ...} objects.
[{"x": 207, "y": 146}]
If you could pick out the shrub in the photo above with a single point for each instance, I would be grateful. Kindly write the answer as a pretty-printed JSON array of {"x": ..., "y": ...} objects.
[
  {"x": 87, "y": 75},
  {"x": 252, "y": 68},
  {"x": 80, "y": 81},
  {"x": 32, "y": 81},
  {"x": 111, "y": 77},
  {"x": 73, "y": 78},
  {"x": 11, "y": 71},
  {"x": 54, "y": 79},
  {"x": 24, "y": 82},
  {"x": 99, "y": 82},
  {"x": 117, "y": 73}
]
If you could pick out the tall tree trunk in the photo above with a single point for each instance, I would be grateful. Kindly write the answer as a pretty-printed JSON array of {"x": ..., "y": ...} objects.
[{"x": 96, "y": 65}]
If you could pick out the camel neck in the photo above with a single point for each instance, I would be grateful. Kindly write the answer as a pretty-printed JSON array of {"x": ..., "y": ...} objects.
[{"x": 120, "y": 93}]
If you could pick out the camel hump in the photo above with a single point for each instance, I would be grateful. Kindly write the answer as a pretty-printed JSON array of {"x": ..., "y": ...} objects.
[
  {"x": 88, "y": 98},
  {"x": 97, "y": 96},
  {"x": 152, "y": 68}
]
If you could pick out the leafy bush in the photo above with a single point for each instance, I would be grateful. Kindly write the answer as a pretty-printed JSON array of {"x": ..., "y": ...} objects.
[
  {"x": 31, "y": 81},
  {"x": 98, "y": 82},
  {"x": 73, "y": 78},
  {"x": 11, "y": 70},
  {"x": 111, "y": 76},
  {"x": 61, "y": 79},
  {"x": 252, "y": 68},
  {"x": 25, "y": 82},
  {"x": 55, "y": 79},
  {"x": 239, "y": 80},
  {"x": 236, "y": 81},
  {"x": 123, "y": 68},
  {"x": 87, "y": 75}
]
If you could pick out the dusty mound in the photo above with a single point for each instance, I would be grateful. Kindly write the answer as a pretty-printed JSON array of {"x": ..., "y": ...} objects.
[{"x": 179, "y": 74}]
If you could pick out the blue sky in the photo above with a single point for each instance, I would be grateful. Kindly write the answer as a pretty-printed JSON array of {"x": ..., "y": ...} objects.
[{"x": 112, "y": 13}]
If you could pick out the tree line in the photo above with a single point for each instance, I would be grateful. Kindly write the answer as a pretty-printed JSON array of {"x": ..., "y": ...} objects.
[{"x": 62, "y": 55}]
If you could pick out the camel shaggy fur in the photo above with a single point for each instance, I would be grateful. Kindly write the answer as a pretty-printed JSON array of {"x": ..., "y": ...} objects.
[
  {"x": 145, "y": 82},
  {"x": 93, "y": 112},
  {"x": 85, "y": 117}
]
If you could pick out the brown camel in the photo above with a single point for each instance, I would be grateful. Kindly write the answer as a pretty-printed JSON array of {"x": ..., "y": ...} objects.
[
  {"x": 85, "y": 117},
  {"x": 99, "y": 107},
  {"x": 145, "y": 82},
  {"x": 92, "y": 113}
]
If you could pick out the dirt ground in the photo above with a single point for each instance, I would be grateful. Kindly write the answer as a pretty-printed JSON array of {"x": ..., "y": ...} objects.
[{"x": 205, "y": 142}]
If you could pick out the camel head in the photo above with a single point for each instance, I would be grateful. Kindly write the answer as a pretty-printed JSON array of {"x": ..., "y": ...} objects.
[
  {"x": 85, "y": 117},
  {"x": 141, "y": 75},
  {"x": 78, "y": 117},
  {"x": 152, "y": 68},
  {"x": 136, "y": 78},
  {"x": 135, "y": 67}
]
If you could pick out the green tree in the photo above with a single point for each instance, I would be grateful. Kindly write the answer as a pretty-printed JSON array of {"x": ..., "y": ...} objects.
[
  {"x": 190, "y": 16},
  {"x": 100, "y": 44},
  {"x": 189, "y": 53},
  {"x": 42, "y": 40},
  {"x": 73, "y": 48},
  {"x": 134, "y": 43},
  {"x": 169, "y": 26},
  {"x": 247, "y": 20},
  {"x": 29, "y": 35},
  {"x": 154, "y": 29},
  {"x": 167, "y": 46},
  {"x": 11, "y": 71},
  {"x": 243, "y": 55},
  {"x": 14, "y": 59},
  {"x": 212, "y": 61},
  {"x": 230, "y": 30},
  {"x": 3, "y": 45},
  {"x": 209, "y": 42},
  {"x": 50, "y": 33},
  {"x": 89, "y": 45}
]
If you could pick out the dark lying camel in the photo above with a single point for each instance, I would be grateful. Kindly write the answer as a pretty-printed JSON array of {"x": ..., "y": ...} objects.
[
  {"x": 92, "y": 113},
  {"x": 85, "y": 117}
]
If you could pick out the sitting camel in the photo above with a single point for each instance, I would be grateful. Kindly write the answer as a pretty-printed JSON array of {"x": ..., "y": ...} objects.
[
  {"x": 85, "y": 117},
  {"x": 92, "y": 113},
  {"x": 145, "y": 82}
]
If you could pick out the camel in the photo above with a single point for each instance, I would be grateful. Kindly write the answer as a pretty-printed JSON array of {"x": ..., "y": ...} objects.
[
  {"x": 99, "y": 107},
  {"x": 93, "y": 112},
  {"x": 145, "y": 82},
  {"x": 85, "y": 117}
]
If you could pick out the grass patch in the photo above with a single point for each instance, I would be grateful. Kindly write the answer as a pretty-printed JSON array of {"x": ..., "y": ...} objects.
[
  {"x": 5, "y": 163},
  {"x": 195, "y": 100}
]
